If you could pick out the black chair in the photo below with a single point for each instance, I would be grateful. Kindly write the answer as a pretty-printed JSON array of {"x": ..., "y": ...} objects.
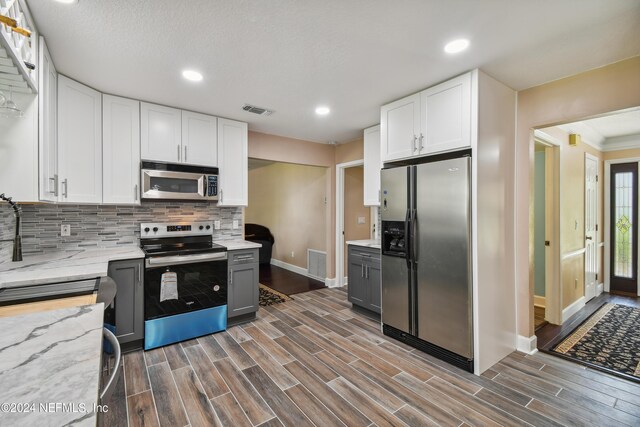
[{"x": 260, "y": 234}]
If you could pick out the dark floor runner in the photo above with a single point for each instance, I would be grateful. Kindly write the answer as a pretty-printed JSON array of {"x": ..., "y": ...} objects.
[
  {"x": 269, "y": 296},
  {"x": 609, "y": 340}
]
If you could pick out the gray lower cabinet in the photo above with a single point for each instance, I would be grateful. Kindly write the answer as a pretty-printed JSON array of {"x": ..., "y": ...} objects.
[
  {"x": 364, "y": 281},
  {"x": 243, "y": 293},
  {"x": 129, "y": 301}
]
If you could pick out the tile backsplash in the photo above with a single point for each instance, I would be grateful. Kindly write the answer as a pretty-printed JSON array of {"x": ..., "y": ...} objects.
[{"x": 103, "y": 226}]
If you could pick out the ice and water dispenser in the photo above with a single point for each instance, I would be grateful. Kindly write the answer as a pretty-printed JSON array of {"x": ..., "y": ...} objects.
[{"x": 393, "y": 238}]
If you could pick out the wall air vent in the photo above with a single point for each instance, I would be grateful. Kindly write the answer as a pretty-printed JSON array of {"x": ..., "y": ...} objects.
[{"x": 257, "y": 110}]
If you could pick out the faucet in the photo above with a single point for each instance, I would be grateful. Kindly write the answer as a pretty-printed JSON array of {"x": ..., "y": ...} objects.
[{"x": 17, "y": 240}]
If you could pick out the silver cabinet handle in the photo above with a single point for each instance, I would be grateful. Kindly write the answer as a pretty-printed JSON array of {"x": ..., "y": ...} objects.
[
  {"x": 221, "y": 195},
  {"x": 65, "y": 183},
  {"x": 230, "y": 277},
  {"x": 135, "y": 192},
  {"x": 421, "y": 142},
  {"x": 361, "y": 270},
  {"x": 379, "y": 195},
  {"x": 185, "y": 153},
  {"x": 178, "y": 152},
  {"x": 415, "y": 147},
  {"x": 139, "y": 275},
  {"x": 366, "y": 272}
]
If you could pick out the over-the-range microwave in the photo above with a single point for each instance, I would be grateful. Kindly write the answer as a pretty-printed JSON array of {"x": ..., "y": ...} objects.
[{"x": 171, "y": 181}]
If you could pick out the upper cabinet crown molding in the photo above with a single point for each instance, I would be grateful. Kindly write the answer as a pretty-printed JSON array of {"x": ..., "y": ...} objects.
[
  {"x": 233, "y": 157},
  {"x": 79, "y": 142}
]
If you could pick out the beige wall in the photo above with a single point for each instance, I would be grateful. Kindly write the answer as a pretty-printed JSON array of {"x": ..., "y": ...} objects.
[
  {"x": 622, "y": 154},
  {"x": 290, "y": 200},
  {"x": 572, "y": 213},
  {"x": 595, "y": 92},
  {"x": 354, "y": 208},
  {"x": 352, "y": 150}
]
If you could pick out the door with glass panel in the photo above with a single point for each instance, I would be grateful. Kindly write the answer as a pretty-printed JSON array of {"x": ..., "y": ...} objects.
[{"x": 624, "y": 231}]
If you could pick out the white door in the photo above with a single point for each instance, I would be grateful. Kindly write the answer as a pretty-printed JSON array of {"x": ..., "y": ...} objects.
[
  {"x": 400, "y": 128},
  {"x": 160, "y": 133},
  {"x": 48, "y": 130},
  {"x": 120, "y": 150},
  {"x": 446, "y": 116},
  {"x": 79, "y": 142},
  {"x": 590, "y": 226},
  {"x": 233, "y": 160},
  {"x": 372, "y": 166},
  {"x": 199, "y": 139}
]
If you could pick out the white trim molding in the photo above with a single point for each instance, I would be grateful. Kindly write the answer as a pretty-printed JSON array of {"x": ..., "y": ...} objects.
[
  {"x": 291, "y": 267},
  {"x": 599, "y": 289},
  {"x": 330, "y": 283},
  {"x": 572, "y": 309},
  {"x": 527, "y": 345},
  {"x": 625, "y": 142},
  {"x": 539, "y": 301},
  {"x": 573, "y": 253}
]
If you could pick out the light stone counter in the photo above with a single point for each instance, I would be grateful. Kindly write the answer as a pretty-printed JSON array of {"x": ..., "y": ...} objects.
[
  {"x": 366, "y": 243},
  {"x": 234, "y": 245},
  {"x": 63, "y": 266},
  {"x": 50, "y": 362}
]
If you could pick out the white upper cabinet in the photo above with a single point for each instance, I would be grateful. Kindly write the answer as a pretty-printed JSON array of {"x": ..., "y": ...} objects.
[
  {"x": 435, "y": 120},
  {"x": 47, "y": 126},
  {"x": 446, "y": 115},
  {"x": 400, "y": 128},
  {"x": 372, "y": 166},
  {"x": 233, "y": 163},
  {"x": 79, "y": 142},
  {"x": 161, "y": 133},
  {"x": 120, "y": 150},
  {"x": 199, "y": 139}
]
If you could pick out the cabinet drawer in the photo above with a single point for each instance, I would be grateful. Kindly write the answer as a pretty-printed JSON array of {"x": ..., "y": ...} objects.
[
  {"x": 243, "y": 257},
  {"x": 364, "y": 252}
]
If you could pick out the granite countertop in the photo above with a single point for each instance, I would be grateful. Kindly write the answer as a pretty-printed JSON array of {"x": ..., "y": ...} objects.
[
  {"x": 234, "y": 245},
  {"x": 50, "y": 359},
  {"x": 63, "y": 266},
  {"x": 366, "y": 243}
]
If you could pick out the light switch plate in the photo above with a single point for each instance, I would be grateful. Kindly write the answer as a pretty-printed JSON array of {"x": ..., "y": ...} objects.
[
  {"x": 65, "y": 230},
  {"x": 235, "y": 224},
  {"x": 216, "y": 224}
]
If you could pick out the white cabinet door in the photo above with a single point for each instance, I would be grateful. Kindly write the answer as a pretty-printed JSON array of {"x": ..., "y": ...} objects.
[
  {"x": 120, "y": 150},
  {"x": 372, "y": 166},
  {"x": 47, "y": 126},
  {"x": 233, "y": 160},
  {"x": 199, "y": 139},
  {"x": 161, "y": 133},
  {"x": 79, "y": 142},
  {"x": 400, "y": 128},
  {"x": 446, "y": 116}
]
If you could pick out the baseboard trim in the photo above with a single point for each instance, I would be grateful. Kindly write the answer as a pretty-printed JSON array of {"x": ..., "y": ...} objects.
[
  {"x": 527, "y": 345},
  {"x": 573, "y": 309},
  {"x": 539, "y": 301},
  {"x": 291, "y": 267},
  {"x": 330, "y": 283},
  {"x": 599, "y": 289}
]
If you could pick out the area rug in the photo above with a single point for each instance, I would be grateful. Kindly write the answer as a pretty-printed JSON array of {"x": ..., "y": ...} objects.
[
  {"x": 609, "y": 339},
  {"x": 270, "y": 296}
]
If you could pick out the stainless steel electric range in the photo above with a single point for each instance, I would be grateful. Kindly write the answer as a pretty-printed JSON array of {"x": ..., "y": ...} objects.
[{"x": 185, "y": 282}]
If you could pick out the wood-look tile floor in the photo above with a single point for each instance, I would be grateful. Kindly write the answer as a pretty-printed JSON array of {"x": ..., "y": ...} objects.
[{"x": 313, "y": 361}]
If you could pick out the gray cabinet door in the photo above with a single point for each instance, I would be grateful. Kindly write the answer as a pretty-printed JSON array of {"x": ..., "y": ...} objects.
[
  {"x": 129, "y": 301},
  {"x": 357, "y": 290},
  {"x": 374, "y": 286},
  {"x": 243, "y": 293}
]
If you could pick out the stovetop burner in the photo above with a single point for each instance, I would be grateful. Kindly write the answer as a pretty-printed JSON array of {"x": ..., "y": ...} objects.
[{"x": 177, "y": 239}]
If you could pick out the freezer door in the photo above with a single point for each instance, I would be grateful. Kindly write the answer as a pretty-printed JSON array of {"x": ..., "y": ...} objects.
[
  {"x": 394, "y": 187},
  {"x": 395, "y": 293},
  {"x": 443, "y": 254}
]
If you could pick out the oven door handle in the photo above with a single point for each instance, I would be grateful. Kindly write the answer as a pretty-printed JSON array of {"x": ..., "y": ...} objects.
[{"x": 184, "y": 259}]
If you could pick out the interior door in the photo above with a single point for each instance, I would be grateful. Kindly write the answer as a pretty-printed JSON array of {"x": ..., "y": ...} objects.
[
  {"x": 624, "y": 232},
  {"x": 590, "y": 224}
]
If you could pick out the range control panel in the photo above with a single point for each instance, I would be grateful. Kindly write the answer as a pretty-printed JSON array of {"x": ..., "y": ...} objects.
[{"x": 153, "y": 230}]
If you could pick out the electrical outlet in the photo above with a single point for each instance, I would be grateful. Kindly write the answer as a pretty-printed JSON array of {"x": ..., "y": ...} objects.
[
  {"x": 65, "y": 230},
  {"x": 235, "y": 224},
  {"x": 293, "y": 254},
  {"x": 216, "y": 224},
  {"x": 361, "y": 220}
]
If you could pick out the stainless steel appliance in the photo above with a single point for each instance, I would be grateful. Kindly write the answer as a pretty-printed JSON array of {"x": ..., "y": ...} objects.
[
  {"x": 426, "y": 257},
  {"x": 198, "y": 270},
  {"x": 170, "y": 181}
]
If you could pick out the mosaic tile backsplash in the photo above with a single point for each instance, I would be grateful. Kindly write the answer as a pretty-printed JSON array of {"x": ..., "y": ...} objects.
[{"x": 103, "y": 226}]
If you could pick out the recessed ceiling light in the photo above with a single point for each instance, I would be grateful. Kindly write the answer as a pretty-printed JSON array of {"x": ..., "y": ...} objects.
[
  {"x": 456, "y": 46},
  {"x": 322, "y": 111},
  {"x": 67, "y": 1},
  {"x": 194, "y": 76}
]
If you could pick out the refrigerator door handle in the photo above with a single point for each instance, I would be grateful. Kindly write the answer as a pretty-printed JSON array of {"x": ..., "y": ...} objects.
[
  {"x": 414, "y": 239},
  {"x": 407, "y": 237}
]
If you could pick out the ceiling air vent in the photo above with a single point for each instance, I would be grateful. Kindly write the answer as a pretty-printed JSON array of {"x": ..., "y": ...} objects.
[{"x": 257, "y": 110}]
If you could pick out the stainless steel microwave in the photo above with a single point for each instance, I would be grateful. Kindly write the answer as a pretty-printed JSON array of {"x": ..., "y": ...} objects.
[{"x": 171, "y": 181}]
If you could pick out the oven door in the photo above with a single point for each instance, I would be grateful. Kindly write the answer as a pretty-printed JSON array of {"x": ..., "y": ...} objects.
[
  {"x": 162, "y": 184},
  {"x": 201, "y": 284}
]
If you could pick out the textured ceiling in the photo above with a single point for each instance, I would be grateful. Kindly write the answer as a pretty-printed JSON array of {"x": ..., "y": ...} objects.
[{"x": 352, "y": 55}]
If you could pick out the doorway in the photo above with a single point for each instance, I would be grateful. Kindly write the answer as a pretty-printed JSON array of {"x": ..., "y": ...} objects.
[
  {"x": 539, "y": 218},
  {"x": 623, "y": 217},
  {"x": 590, "y": 226}
]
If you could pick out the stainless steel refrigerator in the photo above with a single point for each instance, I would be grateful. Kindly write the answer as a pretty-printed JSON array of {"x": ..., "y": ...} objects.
[{"x": 426, "y": 257}]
